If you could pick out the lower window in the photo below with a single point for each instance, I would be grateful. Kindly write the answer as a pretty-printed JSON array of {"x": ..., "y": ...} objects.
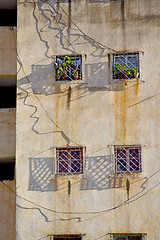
[
  {"x": 127, "y": 159},
  {"x": 128, "y": 238},
  {"x": 7, "y": 167},
  {"x": 69, "y": 160}
]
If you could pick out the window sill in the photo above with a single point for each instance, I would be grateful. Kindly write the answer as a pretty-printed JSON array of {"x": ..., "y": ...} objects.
[
  {"x": 70, "y": 176},
  {"x": 68, "y": 82},
  {"x": 128, "y": 175}
]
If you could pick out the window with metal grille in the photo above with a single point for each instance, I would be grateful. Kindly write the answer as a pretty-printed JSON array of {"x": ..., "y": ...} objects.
[
  {"x": 125, "y": 66},
  {"x": 68, "y": 68},
  {"x": 128, "y": 238},
  {"x": 69, "y": 160},
  {"x": 127, "y": 159}
]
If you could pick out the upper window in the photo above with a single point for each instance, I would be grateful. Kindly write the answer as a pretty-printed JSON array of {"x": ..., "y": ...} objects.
[
  {"x": 68, "y": 68},
  {"x": 125, "y": 66},
  {"x": 128, "y": 238},
  {"x": 127, "y": 159},
  {"x": 69, "y": 160}
]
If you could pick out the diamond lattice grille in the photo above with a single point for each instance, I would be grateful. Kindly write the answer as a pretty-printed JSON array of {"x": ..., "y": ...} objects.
[
  {"x": 69, "y": 160},
  {"x": 127, "y": 159},
  {"x": 126, "y": 66},
  {"x": 68, "y": 68}
]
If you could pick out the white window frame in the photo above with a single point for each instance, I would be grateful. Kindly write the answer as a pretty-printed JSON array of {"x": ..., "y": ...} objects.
[
  {"x": 125, "y": 147},
  {"x": 69, "y": 174}
]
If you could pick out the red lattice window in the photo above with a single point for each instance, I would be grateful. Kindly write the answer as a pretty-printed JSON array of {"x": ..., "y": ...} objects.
[
  {"x": 69, "y": 160},
  {"x": 127, "y": 159}
]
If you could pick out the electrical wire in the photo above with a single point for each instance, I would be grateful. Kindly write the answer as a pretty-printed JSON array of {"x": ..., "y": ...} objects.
[{"x": 87, "y": 36}]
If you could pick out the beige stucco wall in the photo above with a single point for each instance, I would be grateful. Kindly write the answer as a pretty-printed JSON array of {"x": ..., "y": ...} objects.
[{"x": 98, "y": 115}]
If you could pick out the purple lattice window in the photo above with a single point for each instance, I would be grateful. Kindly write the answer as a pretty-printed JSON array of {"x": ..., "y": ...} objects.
[
  {"x": 127, "y": 159},
  {"x": 69, "y": 160}
]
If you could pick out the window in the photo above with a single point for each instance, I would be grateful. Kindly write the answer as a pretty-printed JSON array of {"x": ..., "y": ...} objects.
[
  {"x": 8, "y": 97},
  {"x": 125, "y": 66},
  {"x": 66, "y": 237},
  {"x": 127, "y": 159},
  {"x": 8, "y": 17},
  {"x": 128, "y": 237},
  {"x": 7, "y": 167},
  {"x": 69, "y": 160},
  {"x": 68, "y": 68}
]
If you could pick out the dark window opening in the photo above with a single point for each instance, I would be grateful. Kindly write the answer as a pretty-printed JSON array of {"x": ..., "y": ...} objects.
[
  {"x": 7, "y": 170},
  {"x": 128, "y": 238},
  {"x": 7, "y": 97},
  {"x": 8, "y": 17}
]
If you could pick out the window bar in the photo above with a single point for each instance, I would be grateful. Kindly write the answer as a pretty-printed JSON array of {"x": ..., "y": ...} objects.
[
  {"x": 126, "y": 60},
  {"x": 70, "y": 161},
  {"x": 125, "y": 56},
  {"x": 122, "y": 71},
  {"x": 69, "y": 66},
  {"x": 129, "y": 159},
  {"x": 79, "y": 69},
  {"x": 84, "y": 159},
  {"x": 84, "y": 59}
]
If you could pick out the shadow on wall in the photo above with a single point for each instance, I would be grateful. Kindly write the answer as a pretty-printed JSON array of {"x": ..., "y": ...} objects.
[
  {"x": 42, "y": 79},
  {"x": 41, "y": 175},
  {"x": 98, "y": 175}
]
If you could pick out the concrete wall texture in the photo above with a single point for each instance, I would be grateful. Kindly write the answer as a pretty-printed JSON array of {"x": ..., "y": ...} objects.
[{"x": 98, "y": 114}]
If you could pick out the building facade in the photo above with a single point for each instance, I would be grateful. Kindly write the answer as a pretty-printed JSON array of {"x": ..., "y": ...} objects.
[
  {"x": 8, "y": 71},
  {"x": 87, "y": 147}
]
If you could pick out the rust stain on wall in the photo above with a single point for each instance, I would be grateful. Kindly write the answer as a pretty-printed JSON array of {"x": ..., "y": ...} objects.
[
  {"x": 120, "y": 114},
  {"x": 57, "y": 114},
  {"x": 126, "y": 117}
]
